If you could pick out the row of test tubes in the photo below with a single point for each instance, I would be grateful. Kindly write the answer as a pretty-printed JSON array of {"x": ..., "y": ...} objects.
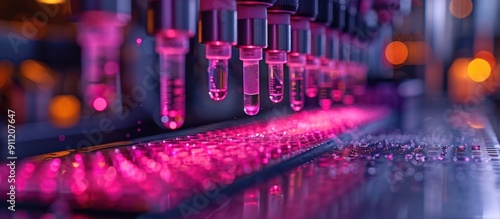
[{"x": 313, "y": 38}]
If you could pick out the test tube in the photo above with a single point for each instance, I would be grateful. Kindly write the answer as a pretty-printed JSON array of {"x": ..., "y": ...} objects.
[
  {"x": 251, "y": 99},
  {"x": 172, "y": 91},
  {"x": 100, "y": 37},
  {"x": 313, "y": 69},
  {"x": 325, "y": 83},
  {"x": 275, "y": 62},
  {"x": 252, "y": 38},
  {"x": 217, "y": 25},
  {"x": 172, "y": 44},
  {"x": 296, "y": 69},
  {"x": 218, "y": 56}
]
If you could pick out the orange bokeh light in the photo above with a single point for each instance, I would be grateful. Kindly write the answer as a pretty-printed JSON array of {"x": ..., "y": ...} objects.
[
  {"x": 479, "y": 70},
  {"x": 396, "y": 53},
  {"x": 6, "y": 71},
  {"x": 460, "y": 66},
  {"x": 487, "y": 56},
  {"x": 64, "y": 110},
  {"x": 418, "y": 52},
  {"x": 460, "y": 85},
  {"x": 461, "y": 8},
  {"x": 39, "y": 73},
  {"x": 51, "y": 1},
  {"x": 476, "y": 122}
]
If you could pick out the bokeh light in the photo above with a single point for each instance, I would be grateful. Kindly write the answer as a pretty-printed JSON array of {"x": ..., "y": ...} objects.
[
  {"x": 396, "y": 53},
  {"x": 39, "y": 73},
  {"x": 100, "y": 104},
  {"x": 460, "y": 66},
  {"x": 476, "y": 122},
  {"x": 6, "y": 72},
  {"x": 461, "y": 8},
  {"x": 51, "y": 1},
  {"x": 479, "y": 70},
  {"x": 418, "y": 52},
  {"x": 487, "y": 56},
  {"x": 64, "y": 110},
  {"x": 460, "y": 85},
  {"x": 3, "y": 80}
]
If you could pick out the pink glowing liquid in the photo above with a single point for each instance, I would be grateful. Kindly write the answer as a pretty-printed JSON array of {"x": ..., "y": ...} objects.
[
  {"x": 100, "y": 78},
  {"x": 251, "y": 104},
  {"x": 276, "y": 88},
  {"x": 348, "y": 99},
  {"x": 325, "y": 101},
  {"x": 217, "y": 79},
  {"x": 172, "y": 93},
  {"x": 325, "y": 88},
  {"x": 337, "y": 89},
  {"x": 99, "y": 36},
  {"x": 172, "y": 102},
  {"x": 297, "y": 88},
  {"x": 312, "y": 82},
  {"x": 251, "y": 99},
  {"x": 337, "y": 95}
]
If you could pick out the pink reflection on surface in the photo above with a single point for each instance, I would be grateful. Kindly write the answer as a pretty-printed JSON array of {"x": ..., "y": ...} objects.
[
  {"x": 325, "y": 188},
  {"x": 157, "y": 175}
]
